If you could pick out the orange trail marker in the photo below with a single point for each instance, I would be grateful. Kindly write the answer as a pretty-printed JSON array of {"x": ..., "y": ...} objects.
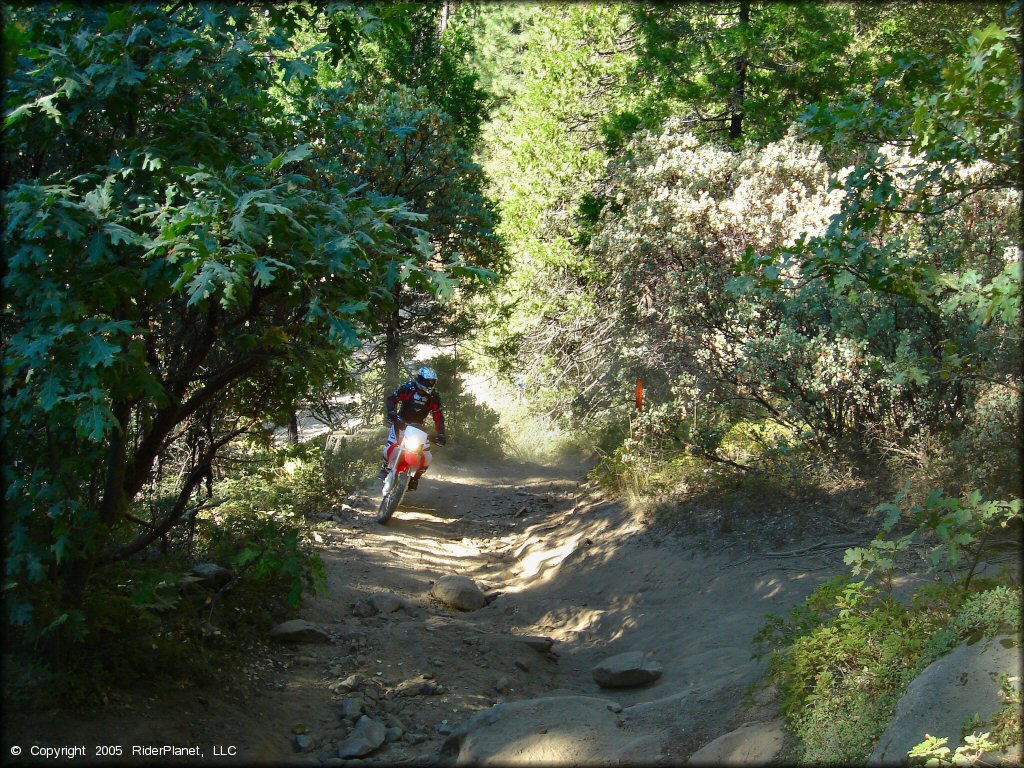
[{"x": 639, "y": 394}]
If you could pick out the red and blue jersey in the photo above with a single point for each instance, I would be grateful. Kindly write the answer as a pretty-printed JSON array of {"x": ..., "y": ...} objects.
[{"x": 412, "y": 406}]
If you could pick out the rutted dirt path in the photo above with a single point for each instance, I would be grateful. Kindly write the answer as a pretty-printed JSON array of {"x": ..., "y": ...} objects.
[{"x": 557, "y": 560}]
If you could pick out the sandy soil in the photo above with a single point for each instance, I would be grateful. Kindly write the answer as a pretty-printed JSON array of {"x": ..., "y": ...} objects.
[{"x": 556, "y": 559}]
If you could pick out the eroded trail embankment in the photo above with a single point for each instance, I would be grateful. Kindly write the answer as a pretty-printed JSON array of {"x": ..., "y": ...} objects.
[{"x": 556, "y": 560}]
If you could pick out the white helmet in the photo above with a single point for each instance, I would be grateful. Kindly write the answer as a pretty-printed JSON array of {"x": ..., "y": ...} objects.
[{"x": 426, "y": 378}]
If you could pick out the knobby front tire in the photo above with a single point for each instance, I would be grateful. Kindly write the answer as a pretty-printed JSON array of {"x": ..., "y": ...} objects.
[{"x": 393, "y": 497}]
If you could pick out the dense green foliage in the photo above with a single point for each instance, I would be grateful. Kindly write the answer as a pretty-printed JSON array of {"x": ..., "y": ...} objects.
[
  {"x": 204, "y": 221},
  {"x": 844, "y": 657}
]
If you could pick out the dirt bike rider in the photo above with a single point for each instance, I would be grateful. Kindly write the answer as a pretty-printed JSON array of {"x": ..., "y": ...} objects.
[{"x": 410, "y": 404}]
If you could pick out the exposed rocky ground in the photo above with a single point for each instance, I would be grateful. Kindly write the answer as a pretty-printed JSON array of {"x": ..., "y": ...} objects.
[{"x": 553, "y": 581}]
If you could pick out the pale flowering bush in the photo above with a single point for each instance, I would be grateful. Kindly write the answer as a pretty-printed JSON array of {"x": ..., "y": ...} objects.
[{"x": 815, "y": 352}]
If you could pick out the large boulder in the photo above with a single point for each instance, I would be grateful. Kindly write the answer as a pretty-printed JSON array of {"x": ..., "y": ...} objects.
[
  {"x": 750, "y": 744},
  {"x": 955, "y": 688},
  {"x": 459, "y": 592},
  {"x": 367, "y": 736},
  {"x": 298, "y": 631},
  {"x": 626, "y": 670}
]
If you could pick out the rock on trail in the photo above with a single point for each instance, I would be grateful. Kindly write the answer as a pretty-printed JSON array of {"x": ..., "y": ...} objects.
[
  {"x": 554, "y": 730},
  {"x": 367, "y": 736},
  {"x": 299, "y": 631},
  {"x": 459, "y": 592},
  {"x": 754, "y": 743},
  {"x": 626, "y": 670}
]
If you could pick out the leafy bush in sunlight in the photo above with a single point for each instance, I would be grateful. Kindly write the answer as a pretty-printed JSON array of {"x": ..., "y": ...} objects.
[
  {"x": 844, "y": 657},
  {"x": 819, "y": 287},
  {"x": 843, "y": 660},
  {"x": 957, "y": 532}
]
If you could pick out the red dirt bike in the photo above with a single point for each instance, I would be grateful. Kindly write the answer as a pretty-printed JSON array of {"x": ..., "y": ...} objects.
[{"x": 404, "y": 462}]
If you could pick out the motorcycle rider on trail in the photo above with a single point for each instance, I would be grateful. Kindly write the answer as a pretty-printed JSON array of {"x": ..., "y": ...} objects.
[{"x": 410, "y": 404}]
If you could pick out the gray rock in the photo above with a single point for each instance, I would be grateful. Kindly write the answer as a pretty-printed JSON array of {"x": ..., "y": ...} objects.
[
  {"x": 750, "y": 744},
  {"x": 960, "y": 685},
  {"x": 350, "y": 683},
  {"x": 458, "y": 592},
  {"x": 378, "y": 603},
  {"x": 415, "y": 738},
  {"x": 298, "y": 631},
  {"x": 626, "y": 670},
  {"x": 351, "y": 708},
  {"x": 393, "y": 733},
  {"x": 444, "y": 729},
  {"x": 367, "y": 736},
  {"x": 304, "y": 743}
]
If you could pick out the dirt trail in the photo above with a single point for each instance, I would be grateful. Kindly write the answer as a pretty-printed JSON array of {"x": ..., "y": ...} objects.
[{"x": 557, "y": 560}]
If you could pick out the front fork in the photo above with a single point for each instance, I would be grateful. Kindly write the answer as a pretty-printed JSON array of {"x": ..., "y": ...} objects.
[{"x": 400, "y": 459}]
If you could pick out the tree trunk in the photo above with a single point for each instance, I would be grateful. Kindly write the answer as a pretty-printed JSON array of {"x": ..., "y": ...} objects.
[
  {"x": 75, "y": 571},
  {"x": 293, "y": 428},
  {"x": 393, "y": 347},
  {"x": 58, "y": 644},
  {"x": 739, "y": 92},
  {"x": 442, "y": 24}
]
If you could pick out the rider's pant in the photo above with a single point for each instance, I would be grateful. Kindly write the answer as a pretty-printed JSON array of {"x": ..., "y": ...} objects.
[{"x": 393, "y": 439}]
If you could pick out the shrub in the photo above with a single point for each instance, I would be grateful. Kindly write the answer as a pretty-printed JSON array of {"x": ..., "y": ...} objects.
[
  {"x": 844, "y": 657},
  {"x": 842, "y": 661},
  {"x": 138, "y": 625}
]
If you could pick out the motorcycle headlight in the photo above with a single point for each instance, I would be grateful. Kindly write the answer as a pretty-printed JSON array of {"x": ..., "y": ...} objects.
[{"x": 412, "y": 442}]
